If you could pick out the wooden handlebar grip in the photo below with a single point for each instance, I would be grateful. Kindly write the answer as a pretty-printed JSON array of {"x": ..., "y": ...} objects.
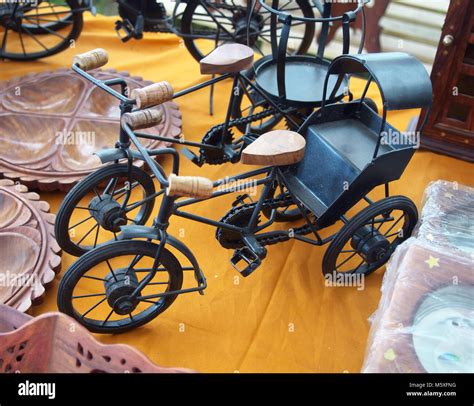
[
  {"x": 189, "y": 186},
  {"x": 91, "y": 60},
  {"x": 152, "y": 95},
  {"x": 143, "y": 118}
]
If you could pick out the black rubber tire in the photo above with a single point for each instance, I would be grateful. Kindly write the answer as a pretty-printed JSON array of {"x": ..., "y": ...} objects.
[
  {"x": 77, "y": 25},
  {"x": 360, "y": 219},
  {"x": 188, "y": 13},
  {"x": 107, "y": 252},
  {"x": 74, "y": 196}
]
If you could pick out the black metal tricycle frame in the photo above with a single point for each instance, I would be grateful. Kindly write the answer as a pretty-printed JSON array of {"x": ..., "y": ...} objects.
[{"x": 172, "y": 205}]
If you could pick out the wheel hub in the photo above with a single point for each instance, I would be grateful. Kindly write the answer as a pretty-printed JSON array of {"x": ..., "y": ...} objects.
[
  {"x": 370, "y": 245},
  {"x": 254, "y": 27},
  {"x": 107, "y": 212},
  {"x": 119, "y": 287}
]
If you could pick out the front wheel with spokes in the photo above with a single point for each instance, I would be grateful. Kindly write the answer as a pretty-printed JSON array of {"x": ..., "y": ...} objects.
[
  {"x": 366, "y": 242},
  {"x": 94, "y": 210},
  {"x": 98, "y": 290}
]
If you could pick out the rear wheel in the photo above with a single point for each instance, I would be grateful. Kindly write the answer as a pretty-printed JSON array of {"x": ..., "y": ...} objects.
[
  {"x": 97, "y": 289},
  {"x": 367, "y": 241}
]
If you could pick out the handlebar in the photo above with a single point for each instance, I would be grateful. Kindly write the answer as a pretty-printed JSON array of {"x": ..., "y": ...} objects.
[
  {"x": 148, "y": 96},
  {"x": 141, "y": 119},
  {"x": 91, "y": 60},
  {"x": 153, "y": 95}
]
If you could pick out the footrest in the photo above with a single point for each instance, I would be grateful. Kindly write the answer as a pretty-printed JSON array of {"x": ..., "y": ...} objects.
[{"x": 247, "y": 256}]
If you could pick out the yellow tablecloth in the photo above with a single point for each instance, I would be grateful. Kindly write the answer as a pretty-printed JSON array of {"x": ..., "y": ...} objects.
[{"x": 281, "y": 318}]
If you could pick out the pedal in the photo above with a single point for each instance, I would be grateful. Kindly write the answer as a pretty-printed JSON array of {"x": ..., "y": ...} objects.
[
  {"x": 127, "y": 28},
  {"x": 195, "y": 159},
  {"x": 139, "y": 27},
  {"x": 247, "y": 256}
]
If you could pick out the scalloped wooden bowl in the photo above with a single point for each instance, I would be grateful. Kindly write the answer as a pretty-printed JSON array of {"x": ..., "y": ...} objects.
[
  {"x": 51, "y": 123},
  {"x": 29, "y": 254},
  {"x": 55, "y": 343}
]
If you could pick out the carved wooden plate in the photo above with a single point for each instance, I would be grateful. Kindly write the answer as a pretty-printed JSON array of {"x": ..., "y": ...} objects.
[
  {"x": 55, "y": 343},
  {"x": 29, "y": 254},
  {"x": 52, "y": 122}
]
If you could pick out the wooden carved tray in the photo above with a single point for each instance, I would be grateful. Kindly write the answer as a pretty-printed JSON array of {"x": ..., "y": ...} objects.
[
  {"x": 52, "y": 122},
  {"x": 29, "y": 254},
  {"x": 55, "y": 343}
]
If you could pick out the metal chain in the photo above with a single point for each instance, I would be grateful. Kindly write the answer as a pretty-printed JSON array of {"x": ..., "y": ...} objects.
[
  {"x": 267, "y": 204},
  {"x": 209, "y": 137}
]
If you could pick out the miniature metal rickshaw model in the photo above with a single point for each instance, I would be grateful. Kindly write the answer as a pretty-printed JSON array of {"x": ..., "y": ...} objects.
[
  {"x": 344, "y": 155},
  {"x": 229, "y": 61},
  {"x": 36, "y": 29}
]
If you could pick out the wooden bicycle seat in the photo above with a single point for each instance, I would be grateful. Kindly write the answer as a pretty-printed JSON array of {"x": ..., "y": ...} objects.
[
  {"x": 275, "y": 148},
  {"x": 227, "y": 58}
]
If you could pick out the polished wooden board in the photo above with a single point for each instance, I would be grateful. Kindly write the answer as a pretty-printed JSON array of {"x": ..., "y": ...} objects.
[
  {"x": 51, "y": 123},
  {"x": 29, "y": 254},
  {"x": 55, "y": 343}
]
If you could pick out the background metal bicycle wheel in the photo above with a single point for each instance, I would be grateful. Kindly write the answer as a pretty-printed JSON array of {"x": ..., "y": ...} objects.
[
  {"x": 89, "y": 217},
  {"x": 96, "y": 289},
  {"x": 224, "y": 21},
  {"x": 29, "y": 33},
  {"x": 247, "y": 102}
]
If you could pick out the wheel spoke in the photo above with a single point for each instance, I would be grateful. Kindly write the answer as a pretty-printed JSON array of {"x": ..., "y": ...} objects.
[
  {"x": 96, "y": 236},
  {"x": 111, "y": 270},
  {"x": 346, "y": 260},
  {"x": 80, "y": 222},
  {"x": 108, "y": 317},
  {"x": 90, "y": 231},
  {"x": 394, "y": 224},
  {"x": 86, "y": 296},
  {"x": 93, "y": 307}
]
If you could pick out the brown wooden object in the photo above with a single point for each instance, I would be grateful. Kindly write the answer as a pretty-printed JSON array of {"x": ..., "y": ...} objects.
[
  {"x": 143, "y": 118},
  {"x": 227, "y": 58},
  {"x": 153, "y": 95},
  {"x": 190, "y": 186},
  {"x": 55, "y": 343},
  {"x": 51, "y": 123},
  {"x": 91, "y": 60},
  {"x": 29, "y": 254},
  {"x": 450, "y": 129},
  {"x": 422, "y": 323},
  {"x": 275, "y": 148}
]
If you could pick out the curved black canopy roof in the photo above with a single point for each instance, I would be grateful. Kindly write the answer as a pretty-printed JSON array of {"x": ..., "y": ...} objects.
[{"x": 402, "y": 79}]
